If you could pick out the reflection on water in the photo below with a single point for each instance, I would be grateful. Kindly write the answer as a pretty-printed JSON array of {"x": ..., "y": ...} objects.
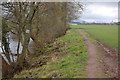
[
  {"x": 13, "y": 43},
  {"x": 13, "y": 46}
]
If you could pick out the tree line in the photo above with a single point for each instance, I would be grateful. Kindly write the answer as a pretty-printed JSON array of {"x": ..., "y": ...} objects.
[{"x": 42, "y": 22}]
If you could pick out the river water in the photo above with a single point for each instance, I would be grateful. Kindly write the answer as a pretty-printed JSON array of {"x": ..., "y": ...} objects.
[{"x": 13, "y": 43}]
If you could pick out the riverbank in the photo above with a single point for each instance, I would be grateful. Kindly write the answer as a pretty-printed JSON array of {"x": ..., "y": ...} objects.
[
  {"x": 74, "y": 55},
  {"x": 67, "y": 58}
]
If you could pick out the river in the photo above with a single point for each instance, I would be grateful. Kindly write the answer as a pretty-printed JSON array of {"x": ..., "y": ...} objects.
[{"x": 13, "y": 43}]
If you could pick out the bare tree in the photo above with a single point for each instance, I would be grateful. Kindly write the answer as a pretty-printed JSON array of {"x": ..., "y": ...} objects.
[{"x": 43, "y": 22}]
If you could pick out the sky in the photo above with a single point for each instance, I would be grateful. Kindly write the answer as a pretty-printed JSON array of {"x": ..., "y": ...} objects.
[{"x": 102, "y": 12}]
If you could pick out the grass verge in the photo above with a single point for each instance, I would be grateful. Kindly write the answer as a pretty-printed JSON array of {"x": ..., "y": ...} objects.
[{"x": 67, "y": 61}]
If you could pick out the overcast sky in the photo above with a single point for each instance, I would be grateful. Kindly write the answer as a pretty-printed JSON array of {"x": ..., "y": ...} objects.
[{"x": 100, "y": 12}]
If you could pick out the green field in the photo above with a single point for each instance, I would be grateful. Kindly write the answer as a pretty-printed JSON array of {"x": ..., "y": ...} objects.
[{"x": 107, "y": 34}]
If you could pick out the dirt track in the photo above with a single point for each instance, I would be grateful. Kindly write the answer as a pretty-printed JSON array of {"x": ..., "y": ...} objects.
[{"x": 100, "y": 63}]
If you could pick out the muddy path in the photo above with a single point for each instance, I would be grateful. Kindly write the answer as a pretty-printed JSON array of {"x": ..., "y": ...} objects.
[{"x": 100, "y": 64}]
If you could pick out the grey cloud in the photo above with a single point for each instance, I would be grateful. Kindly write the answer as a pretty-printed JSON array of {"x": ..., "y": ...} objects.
[{"x": 89, "y": 13}]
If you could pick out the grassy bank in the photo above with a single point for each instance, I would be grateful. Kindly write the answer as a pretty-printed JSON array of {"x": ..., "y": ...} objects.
[
  {"x": 68, "y": 59},
  {"x": 107, "y": 34}
]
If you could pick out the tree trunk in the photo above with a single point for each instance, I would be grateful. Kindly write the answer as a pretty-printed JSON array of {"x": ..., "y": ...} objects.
[{"x": 21, "y": 59}]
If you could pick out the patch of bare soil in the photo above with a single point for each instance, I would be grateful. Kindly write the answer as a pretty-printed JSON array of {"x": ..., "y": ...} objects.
[
  {"x": 109, "y": 59},
  {"x": 103, "y": 61}
]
